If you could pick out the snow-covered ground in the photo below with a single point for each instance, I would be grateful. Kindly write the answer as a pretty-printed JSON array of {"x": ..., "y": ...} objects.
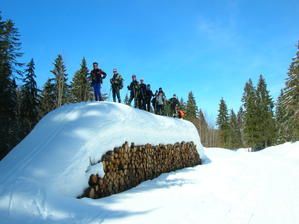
[
  {"x": 61, "y": 147},
  {"x": 231, "y": 187}
]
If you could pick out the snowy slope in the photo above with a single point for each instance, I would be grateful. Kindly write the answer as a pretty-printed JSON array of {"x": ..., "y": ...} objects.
[{"x": 53, "y": 159}]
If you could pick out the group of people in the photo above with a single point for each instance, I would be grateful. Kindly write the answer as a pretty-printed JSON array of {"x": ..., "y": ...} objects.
[{"x": 140, "y": 93}]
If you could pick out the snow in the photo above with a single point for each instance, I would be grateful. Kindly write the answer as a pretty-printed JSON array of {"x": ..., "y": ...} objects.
[
  {"x": 95, "y": 169},
  {"x": 63, "y": 145},
  {"x": 55, "y": 158},
  {"x": 231, "y": 187}
]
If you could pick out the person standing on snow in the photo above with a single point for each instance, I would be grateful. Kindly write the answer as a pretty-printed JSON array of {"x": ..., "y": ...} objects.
[
  {"x": 142, "y": 95},
  {"x": 134, "y": 88},
  {"x": 160, "y": 102},
  {"x": 116, "y": 85},
  {"x": 148, "y": 98},
  {"x": 174, "y": 103},
  {"x": 154, "y": 101},
  {"x": 97, "y": 76}
]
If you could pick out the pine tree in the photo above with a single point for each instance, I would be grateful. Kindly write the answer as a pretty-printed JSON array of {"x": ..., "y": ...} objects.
[
  {"x": 280, "y": 117},
  {"x": 235, "y": 141},
  {"x": 182, "y": 105},
  {"x": 223, "y": 124},
  {"x": 203, "y": 128},
  {"x": 265, "y": 117},
  {"x": 167, "y": 109},
  {"x": 240, "y": 120},
  {"x": 48, "y": 98},
  {"x": 250, "y": 118},
  {"x": 191, "y": 108},
  {"x": 30, "y": 99},
  {"x": 291, "y": 100},
  {"x": 80, "y": 87},
  {"x": 62, "y": 89},
  {"x": 9, "y": 66},
  {"x": 16, "y": 129}
]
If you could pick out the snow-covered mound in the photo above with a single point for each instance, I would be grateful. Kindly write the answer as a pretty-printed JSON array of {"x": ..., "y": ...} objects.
[{"x": 57, "y": 153}]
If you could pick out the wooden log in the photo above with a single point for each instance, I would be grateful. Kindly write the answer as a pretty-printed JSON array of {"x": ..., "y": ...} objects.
[
  {"x": 125, "y": 166},
  {"x": 91, "y": 193},
  {"x": 93, "y": 179}
]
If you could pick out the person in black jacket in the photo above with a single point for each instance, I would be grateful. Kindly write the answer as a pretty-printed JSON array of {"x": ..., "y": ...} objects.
[
  {"x": 148, "y": 98},
  {"x": 142, "y": 95},
  {"x": 134, "y": 88},
  {"x": 97, "y": 76},
  {"x": 174, "y": 103}
]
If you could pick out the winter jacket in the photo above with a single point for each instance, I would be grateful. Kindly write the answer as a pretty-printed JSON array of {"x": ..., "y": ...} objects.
[
  {"x": 160, "y": 99},
  {"x": 174, "y": 102},
  {"x": 134, "y": 86},
  {"x": 142, "y": 90},
  {"x": 116, "y": 81},
  {"x": 149, "y": 94},
  {"x": 181, "y": 114},
  {"x": 97, "y": 76}
]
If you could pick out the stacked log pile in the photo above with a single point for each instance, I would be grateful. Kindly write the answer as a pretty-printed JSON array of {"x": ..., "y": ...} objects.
[{"x": 127, "y": 166}]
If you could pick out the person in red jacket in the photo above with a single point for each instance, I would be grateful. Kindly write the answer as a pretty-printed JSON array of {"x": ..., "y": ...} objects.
[
  {"x": 179, "y": 113},
  {"x": 97, "y": 76}
]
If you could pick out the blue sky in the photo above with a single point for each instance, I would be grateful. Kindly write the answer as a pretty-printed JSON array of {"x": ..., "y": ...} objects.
[{"x": 209, "y": 47}]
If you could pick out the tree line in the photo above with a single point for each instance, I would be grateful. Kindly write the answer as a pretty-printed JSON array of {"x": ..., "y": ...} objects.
[
  {"x": 260, "y": 122},
  {"x": 22, "y": 103}
]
